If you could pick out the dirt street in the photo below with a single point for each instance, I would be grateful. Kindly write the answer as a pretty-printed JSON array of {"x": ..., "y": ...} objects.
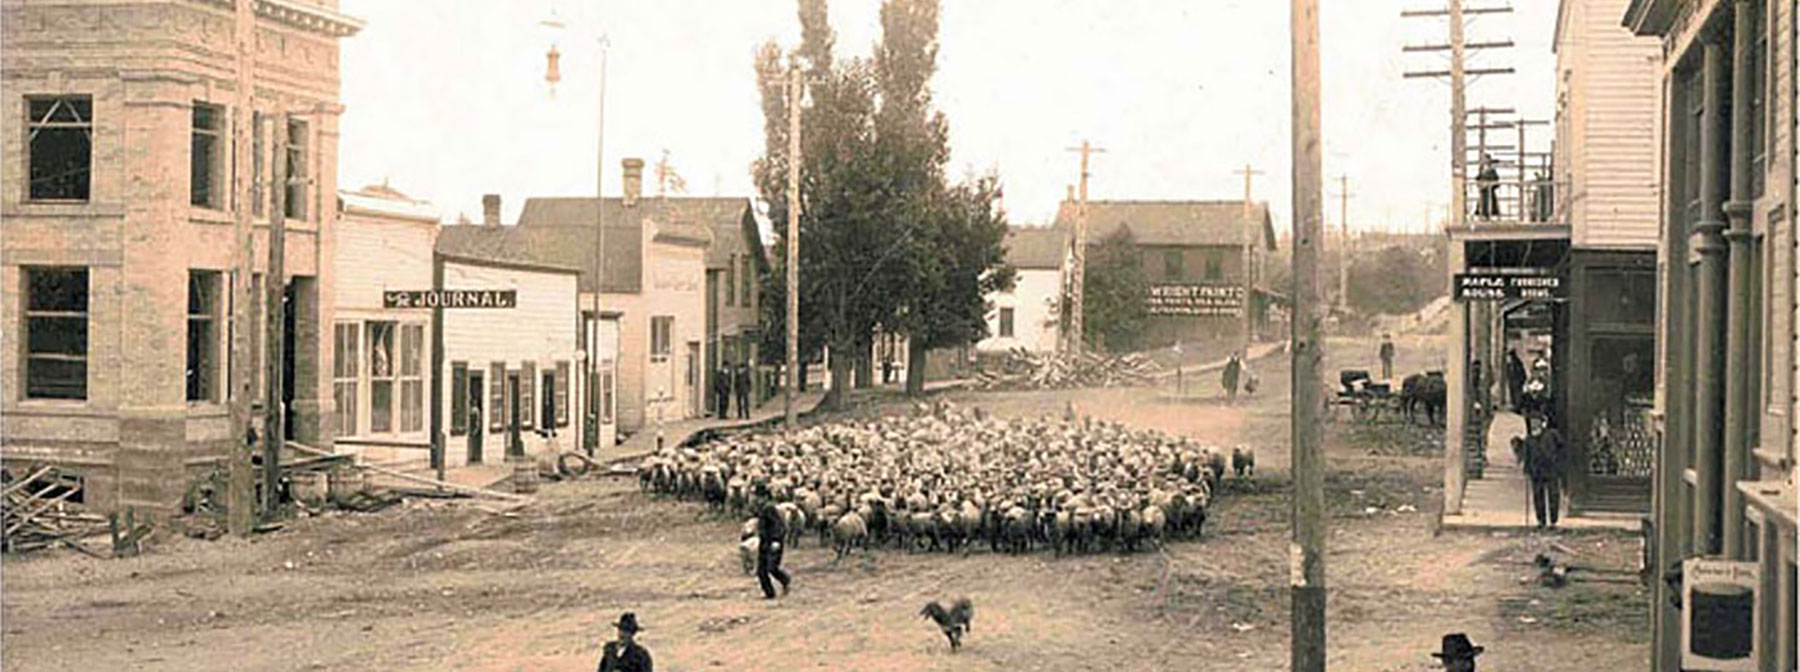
[{"x": 443, "y": 585}]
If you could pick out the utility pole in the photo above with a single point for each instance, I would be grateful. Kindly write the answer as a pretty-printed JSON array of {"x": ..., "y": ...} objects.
[
  {"x": 1307, "y": 578},
  {"x": 1457, "y": 410},
  {"x": 593, "y": 359},
  {"x": 1078, "y": 280},
  {"x": 1250, "y": 241},
  {"x": 238, "y": 496},
  {"x": 1344, "y": 244},
  {"x": 275, "y": 312},
  {"x": 795, "y": 91}
]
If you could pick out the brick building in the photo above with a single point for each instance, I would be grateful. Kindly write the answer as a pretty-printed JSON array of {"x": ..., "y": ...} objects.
[{"x": 118, "y": 247}]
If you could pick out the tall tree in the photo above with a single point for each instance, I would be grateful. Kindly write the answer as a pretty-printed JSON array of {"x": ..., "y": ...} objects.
[
  {"x": 952, "y": 236},
  {"x": 1113, "y": 308}
]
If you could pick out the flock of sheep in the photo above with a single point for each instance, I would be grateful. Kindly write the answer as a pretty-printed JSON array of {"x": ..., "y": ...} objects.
[{"x": 949, "y": 479}]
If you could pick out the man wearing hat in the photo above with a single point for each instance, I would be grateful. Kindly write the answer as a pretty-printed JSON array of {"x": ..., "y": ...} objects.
[
  {"x": 771, "y": 528},
  {"x": 625, "y": 654},
  {"x": 1458, "y": 654}
]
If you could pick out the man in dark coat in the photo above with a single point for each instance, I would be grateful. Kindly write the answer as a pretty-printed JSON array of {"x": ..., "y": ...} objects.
[
  {"x": 741, "y": 385},
  {"x": 625, "y": 654},
  {"x": 722, "y": 390},
  {"x": 771, "y": 528},
  {"x": 1229, "y": 378},
  {"x": 1488, "y": 179},
  {"x": 1544, "y": 449}
]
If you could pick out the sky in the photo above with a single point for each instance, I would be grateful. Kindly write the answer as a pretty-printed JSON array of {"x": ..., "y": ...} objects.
[{"x": 447, "y": 101}]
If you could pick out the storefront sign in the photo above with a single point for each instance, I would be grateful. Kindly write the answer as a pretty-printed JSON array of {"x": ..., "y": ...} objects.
[
  {"x": 1196, "y": 300},
  {"x": 1718, "y": 610},
  {"x": 1504, "y": 287},
  {"x": 450, "y": 298}
]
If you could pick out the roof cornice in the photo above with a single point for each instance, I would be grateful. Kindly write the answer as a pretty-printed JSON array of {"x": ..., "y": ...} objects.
[
  {"x": 1649, "y": 17},
  {"x": 301, "y": 15}
]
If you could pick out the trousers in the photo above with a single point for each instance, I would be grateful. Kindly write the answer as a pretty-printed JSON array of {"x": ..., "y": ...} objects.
[
  {"x": 1546, "y": 498},
  {"x": 768, "y": 564}
]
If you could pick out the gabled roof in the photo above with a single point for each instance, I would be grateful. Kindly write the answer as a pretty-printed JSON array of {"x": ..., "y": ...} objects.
[
  {"x": 563, "y": 228},
  {"x": 1186, "y": 223},
  {"x": 553, "y": 246},
  {"x": 1036, "y": 247},
  {"x": 501, "y": 245}
]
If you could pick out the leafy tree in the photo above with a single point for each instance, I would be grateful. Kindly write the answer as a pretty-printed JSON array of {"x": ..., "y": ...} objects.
[
  {"x": 1396, "y": 280},
  {"x": 1113, "y": 311}
]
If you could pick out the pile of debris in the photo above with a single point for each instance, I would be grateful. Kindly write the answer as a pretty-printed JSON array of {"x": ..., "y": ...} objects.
[
  {"x": 1021, "y": 369},
  {"x": 42, "y": 509}
]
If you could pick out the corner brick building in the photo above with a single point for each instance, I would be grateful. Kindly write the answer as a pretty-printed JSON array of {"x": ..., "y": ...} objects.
[{"x": 117, "y": 250}]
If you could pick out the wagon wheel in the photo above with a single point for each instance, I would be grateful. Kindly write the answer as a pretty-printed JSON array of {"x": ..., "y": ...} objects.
[{"x": 1364, "y": 411}]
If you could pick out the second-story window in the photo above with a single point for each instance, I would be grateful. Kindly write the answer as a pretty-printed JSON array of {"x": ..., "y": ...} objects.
[
  {"x": 61, "y": 143},
  {"x": 257, "y": 163},
  {"x": 295, "y": 205},
  {"x": 731, "y": 282},
  {"x": 206, "y": 188},
  {"x": 1214, "y": 267}
]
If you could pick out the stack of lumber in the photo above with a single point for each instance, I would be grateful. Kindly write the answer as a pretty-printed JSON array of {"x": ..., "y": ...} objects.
[
  {"x": 38, "y": 512},
  {"x": 1024, "y": 370}
]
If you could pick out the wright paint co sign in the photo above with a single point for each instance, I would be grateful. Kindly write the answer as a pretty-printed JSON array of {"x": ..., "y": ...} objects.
[
  {"x": 450, "y": 298},
  {"x": 1509, "y": 286},
  {"x": 1196, "y": 300}
]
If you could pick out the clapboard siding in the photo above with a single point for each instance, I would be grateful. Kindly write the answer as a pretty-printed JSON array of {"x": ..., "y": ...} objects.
[
  {"x": 1608, "y": 153},
  {"x": 1034, "y": 327},
  {"x": 540, "y": 329},
  {"x": 374, "y": 255}
]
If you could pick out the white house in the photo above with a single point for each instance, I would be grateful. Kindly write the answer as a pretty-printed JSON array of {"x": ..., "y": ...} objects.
[
  {"x": 1026, "y": 316},
  {"x": 379, "y": 373}
]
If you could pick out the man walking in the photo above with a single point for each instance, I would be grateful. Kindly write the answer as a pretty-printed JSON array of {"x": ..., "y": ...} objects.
[
  {"x": 1543, "y": 463},
  {"x": 741, "y": 385},
  {"x": 771, "y": 528},
  {"x": 1387, "y": 357},
  {"x": 625, "y": 654},
  {"x": 1233, "y": 367}
]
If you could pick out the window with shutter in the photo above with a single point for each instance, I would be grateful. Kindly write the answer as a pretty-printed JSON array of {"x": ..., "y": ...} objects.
[
  {"x": 497, "y": 398},
  {"x": 562, "y": 394},
  {"x": 459, "y": 398},
  {"x": 527, "y": 385}
]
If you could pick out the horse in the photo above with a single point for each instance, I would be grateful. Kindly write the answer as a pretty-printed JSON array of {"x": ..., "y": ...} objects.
[{"x": 1424, "y": 389}]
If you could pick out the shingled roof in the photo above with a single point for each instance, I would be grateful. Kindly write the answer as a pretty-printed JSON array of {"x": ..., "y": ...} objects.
[
  {"x": 1035, "y": 247},
  {"x": 550, "y": 248},
  {"x": 1188, "y": 223},
  {"x": 559, "y": 231}
]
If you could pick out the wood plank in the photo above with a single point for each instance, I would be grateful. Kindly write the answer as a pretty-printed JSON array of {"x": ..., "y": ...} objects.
[{"x": 25, "y": 481}]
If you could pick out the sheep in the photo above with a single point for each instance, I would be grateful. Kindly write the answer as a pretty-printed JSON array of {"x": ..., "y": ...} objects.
[{"x": 850, "y": 530}]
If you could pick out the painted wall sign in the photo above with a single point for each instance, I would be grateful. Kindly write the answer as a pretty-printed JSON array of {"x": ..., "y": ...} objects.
[
  {"x": 450, "y": 298},
  {"x": 1505, "y": 287},
  {"x": 1196, "y": 300},
  {"x": 1718, "y": 611}
]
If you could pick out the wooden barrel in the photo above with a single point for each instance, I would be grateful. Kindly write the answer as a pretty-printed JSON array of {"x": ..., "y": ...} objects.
[
  {"x": 345, "y": 482},
  {"x": 310, "y": 487},
  {"x": 525, "y": 477}
]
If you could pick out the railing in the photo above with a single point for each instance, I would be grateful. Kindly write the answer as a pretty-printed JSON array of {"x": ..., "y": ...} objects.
[{"x": 1515, "y": 201}]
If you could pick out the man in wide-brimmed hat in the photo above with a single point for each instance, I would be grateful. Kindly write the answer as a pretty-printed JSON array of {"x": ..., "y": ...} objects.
[
  {"x": 625, "y": 654},
  {"x": 1459, "y": 653}
]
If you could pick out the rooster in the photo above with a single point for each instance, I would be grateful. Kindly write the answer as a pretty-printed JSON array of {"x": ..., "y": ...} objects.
[{"x": 953, "y": 621}]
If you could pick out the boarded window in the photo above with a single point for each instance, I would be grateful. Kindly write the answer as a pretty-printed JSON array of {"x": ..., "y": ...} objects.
[
  {"x": 56, "y": 325},
  {"x": 61, "y": 130},
  {"x": 346, "y": 358},
  {"x": 497, "y": 400},
  {"x": 203, "y": 336},
  {"x": 527, "y": 387},
  {"x": 459, "y": 398},
  {"x": 562, "y": 394},
  {"x": 206, "y": 187}
]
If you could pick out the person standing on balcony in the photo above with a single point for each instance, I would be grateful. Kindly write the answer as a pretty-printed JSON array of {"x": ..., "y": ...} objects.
[
  {"x": 1543, "y": 201},
  {"x": 1488, "y": 181}
]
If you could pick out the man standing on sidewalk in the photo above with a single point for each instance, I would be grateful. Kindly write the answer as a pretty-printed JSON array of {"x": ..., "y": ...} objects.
[{"x": 742, "y": 387}]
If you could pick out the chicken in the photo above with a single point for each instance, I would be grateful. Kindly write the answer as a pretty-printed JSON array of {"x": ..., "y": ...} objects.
[{"x": 954, "y": 621}]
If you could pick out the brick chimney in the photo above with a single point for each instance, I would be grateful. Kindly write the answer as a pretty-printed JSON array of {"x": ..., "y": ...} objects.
[
  {"x": 1071, "y": 197},
  {"x": 490, "y": 209},
  {"x": 634, "y": 179}
]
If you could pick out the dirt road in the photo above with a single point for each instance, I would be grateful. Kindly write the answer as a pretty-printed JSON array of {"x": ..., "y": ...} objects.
[{"x": 436, "y": 585}]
